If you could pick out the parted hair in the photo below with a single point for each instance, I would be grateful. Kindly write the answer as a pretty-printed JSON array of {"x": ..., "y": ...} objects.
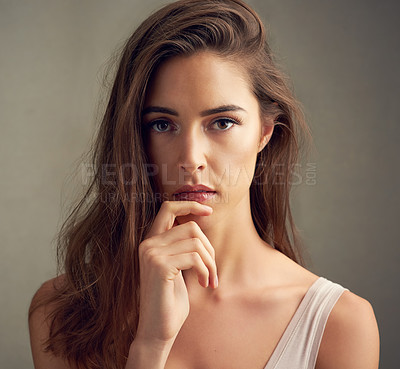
[{"x": 95, "y": 303}]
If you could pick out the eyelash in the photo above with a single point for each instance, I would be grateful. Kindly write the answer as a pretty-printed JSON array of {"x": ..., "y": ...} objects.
[{"x": 236, "y": 120}]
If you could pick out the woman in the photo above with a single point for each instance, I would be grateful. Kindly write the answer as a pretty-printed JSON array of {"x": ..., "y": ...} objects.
[{"x": 183, "y": 252}]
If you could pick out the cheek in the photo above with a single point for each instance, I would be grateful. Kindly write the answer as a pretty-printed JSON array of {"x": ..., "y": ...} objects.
[
  {"x": 162, "y": 164},
  {"x": 236, "y": 165},
  {"x": 159, "y": 153},
  {"x": 154, "y": 165}
]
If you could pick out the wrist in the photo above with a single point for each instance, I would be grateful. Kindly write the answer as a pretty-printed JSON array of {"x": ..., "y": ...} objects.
[{"x": 148, "y": 355}]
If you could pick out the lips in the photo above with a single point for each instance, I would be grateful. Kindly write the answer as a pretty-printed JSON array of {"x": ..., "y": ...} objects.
[{"x": 199, "y": 193}]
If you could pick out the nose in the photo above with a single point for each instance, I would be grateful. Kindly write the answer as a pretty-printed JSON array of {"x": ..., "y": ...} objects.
[
  {"x": 192, "y": 152},
  {"x": 191, "y": 169}
]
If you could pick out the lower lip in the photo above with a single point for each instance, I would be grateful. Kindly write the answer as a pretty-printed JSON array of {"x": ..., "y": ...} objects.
[{"x": 194, "y": 196}]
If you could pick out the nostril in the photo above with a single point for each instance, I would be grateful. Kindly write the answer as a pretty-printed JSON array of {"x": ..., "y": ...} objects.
[{"x": 190, "y": 167}]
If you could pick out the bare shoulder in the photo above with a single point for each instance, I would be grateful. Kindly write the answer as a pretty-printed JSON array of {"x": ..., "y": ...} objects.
[
  {"x": 46, "y": 290},
  {"x": 39, "y": 327},
  {"x": 351, "y": 337}
]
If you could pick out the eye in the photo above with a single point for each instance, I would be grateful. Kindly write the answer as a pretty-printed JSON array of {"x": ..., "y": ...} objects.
[
  {"x": 224, "y": 124},
  {"x": 160, "y": 125}
]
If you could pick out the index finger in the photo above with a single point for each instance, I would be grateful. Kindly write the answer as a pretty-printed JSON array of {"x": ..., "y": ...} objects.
[{"x": 171, "y": 209}]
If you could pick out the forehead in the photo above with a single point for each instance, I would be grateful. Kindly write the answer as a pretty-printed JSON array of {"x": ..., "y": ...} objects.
[{"x": 203, "y": 76}]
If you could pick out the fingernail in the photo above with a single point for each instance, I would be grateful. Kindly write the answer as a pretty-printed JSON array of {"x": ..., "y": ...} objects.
[{"x": 216, "y": 281}]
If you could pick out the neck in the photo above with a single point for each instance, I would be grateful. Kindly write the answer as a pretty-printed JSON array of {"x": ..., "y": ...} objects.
[{"x": 239, "y": 251}]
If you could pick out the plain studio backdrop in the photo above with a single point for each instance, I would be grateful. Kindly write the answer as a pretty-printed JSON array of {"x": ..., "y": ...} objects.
[{"x": 343, "y": 58}]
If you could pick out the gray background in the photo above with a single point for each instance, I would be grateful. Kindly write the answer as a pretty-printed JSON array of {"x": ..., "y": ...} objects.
[{"x": 343, "y": 58}]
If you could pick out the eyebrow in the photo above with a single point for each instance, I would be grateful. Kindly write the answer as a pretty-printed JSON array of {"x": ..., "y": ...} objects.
[{"x": 220, "y": 109}]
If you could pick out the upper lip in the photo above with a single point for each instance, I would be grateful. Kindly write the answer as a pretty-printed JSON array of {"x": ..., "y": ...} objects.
[{"x": 188, "y": 188}]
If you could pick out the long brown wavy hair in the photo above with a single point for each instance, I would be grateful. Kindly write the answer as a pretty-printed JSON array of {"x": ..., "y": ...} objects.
[{"x": 95, "y": 312}]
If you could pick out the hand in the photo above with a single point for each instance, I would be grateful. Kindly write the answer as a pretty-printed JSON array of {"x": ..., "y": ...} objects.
[{"x": 167, "y": 250}]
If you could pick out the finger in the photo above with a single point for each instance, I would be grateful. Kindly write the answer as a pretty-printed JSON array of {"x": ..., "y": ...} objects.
[
  {"x": 191, "y": 245},
  {"x": 191, "y": 260},
  {"x": 187, "y": 230},
  {"x": 171, "y": 209}
]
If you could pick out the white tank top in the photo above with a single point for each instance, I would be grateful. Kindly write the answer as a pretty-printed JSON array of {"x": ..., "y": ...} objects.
[{"x": 299, "y": 344}]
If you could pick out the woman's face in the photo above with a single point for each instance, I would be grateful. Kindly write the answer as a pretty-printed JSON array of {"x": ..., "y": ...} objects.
[{"x": 203, "y": 127}]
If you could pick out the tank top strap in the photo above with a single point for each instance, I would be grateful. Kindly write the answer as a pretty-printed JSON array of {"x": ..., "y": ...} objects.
[{"x": 299, "y": 344}]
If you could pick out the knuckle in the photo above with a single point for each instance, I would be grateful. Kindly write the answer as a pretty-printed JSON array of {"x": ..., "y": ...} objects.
[
  {"x": 197, "y": 261},
  {"x": 196, "y": 243},
  {"x": 143, "y": 246},
  {"x": 195, "y": 257},
  {"x": 193, "y": 226},
  {"x": 156, "y": 261},
  {"x": 145, "y": 243},
  {"x": 149, "y": 253}
]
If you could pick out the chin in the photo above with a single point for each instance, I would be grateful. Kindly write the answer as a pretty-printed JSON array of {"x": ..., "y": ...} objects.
[{"x": 203, "y": 221}]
